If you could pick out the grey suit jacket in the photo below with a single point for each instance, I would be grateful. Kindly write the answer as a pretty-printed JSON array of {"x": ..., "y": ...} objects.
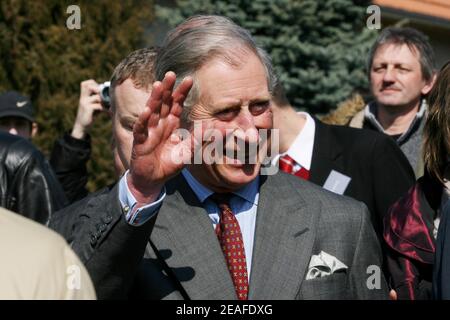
[{"x": 176, "y": 255}]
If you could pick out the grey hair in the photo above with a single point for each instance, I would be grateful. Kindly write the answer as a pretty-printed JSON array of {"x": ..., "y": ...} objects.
[
  {"x": 198, "y": 40},
  {"x": 415, "y": 40}
]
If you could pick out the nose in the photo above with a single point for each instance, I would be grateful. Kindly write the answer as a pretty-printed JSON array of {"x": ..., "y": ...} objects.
[
  {"x": 389, "y": 75},
  {"x": 247, "y": 130}
]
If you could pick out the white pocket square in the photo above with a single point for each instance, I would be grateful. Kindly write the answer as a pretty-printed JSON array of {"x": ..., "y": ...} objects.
[{"x": 322, "y": 265}]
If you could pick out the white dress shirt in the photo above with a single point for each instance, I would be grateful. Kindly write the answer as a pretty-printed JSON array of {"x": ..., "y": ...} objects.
[{"x": 301, "y": 149}]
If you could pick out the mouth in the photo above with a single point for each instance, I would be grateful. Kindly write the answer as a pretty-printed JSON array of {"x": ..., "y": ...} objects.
[{"x": 389, "y": 90}]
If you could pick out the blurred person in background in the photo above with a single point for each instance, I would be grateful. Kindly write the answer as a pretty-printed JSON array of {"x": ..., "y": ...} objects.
[
  {"x": 16, "y": 115},
  {"x": 131, "y": 85},
  {"x": 401, "y": 71},
  {"x": 28, "y": 185},
  {"x": 422, "y": 215},
  {"x": 37, "y": 264},
  {"x": 71, "y": 152},
  {"x": 364, "y": 165}
]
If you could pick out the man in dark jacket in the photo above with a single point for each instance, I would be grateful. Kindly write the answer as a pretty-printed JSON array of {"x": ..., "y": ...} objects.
[
  {"x": 72, "y": 151},
  {"x": 28, "y": 186},
  {"x": 361, "y": 164}
]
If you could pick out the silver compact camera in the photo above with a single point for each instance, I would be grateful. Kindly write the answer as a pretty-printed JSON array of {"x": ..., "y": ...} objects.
[{"x": 104, "y": 94}]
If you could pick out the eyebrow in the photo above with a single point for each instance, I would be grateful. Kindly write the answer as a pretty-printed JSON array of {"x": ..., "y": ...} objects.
[
  {"x": 395, "y": 64},
  {"x": 238, "y": 103}
]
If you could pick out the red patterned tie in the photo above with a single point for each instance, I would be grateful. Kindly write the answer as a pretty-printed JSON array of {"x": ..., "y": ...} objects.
[
  {"x": 287, "y": 164},
  {"x": 230, "y": 239}
]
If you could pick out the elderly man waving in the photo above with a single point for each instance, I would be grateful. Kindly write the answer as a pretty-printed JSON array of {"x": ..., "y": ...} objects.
[{"x": 178, "y": 225}]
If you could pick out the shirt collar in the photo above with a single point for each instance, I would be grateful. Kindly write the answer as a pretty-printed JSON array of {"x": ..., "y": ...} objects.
[
  {"x": 301, "y": 149},
  {"x": 248, "y": 192}
]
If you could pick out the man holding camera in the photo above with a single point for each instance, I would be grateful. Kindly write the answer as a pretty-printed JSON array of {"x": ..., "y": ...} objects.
[{"x": 72, "y": 151}]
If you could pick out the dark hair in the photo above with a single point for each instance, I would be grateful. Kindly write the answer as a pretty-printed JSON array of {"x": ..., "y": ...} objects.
[
  {"x": 416, "y": 42},
  {"x": 437, "y": 127}
]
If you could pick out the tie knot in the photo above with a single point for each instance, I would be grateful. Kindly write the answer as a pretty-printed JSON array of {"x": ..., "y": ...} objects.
[{"x": 221, "y": 198}]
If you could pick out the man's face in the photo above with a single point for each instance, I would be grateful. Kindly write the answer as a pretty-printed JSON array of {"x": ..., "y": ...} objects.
[
  {"x": 232, "y": 100},
  {"x": 129, "y": 104},
  {"x": 396, "y": 76},
  {"x": 17, "y": 126}
]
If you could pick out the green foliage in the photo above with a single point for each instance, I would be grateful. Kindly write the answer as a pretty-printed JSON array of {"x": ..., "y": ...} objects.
[
  {"x": 42, "y": 58},
  {"x": 318, "y": 47}
]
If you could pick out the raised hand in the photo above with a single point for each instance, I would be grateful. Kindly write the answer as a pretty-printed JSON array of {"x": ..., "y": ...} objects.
[
  {"x": 89, "y": 103},
  {"x": 152, "y": 162}
]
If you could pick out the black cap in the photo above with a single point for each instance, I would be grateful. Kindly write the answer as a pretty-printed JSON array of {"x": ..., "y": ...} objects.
[{"x": 13, "y": 104}]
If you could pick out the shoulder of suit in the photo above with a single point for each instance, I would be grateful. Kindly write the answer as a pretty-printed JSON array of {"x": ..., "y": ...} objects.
[
  {"x": 363, "y": 138},
  {"x": 312, "y": 191},
  {"x": 97, "y": 198},
  {"x": 330, "y": 202}
]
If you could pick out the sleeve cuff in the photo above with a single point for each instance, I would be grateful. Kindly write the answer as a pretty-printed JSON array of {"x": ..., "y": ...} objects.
[{"x": 137, "y": 217}]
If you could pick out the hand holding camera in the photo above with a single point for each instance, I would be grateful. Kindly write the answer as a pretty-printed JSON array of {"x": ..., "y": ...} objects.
[{"x": 93, "y": 98}]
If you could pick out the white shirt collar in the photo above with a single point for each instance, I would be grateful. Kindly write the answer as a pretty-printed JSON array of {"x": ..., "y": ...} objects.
[{"x": 301, "y": 149}]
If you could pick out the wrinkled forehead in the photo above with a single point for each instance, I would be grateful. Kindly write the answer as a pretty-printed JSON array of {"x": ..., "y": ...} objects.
[{"x": 242, "y": 78}]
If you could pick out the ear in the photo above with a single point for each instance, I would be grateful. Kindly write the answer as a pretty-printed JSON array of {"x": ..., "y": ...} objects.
[
  {"x": 429, "y": 85},
  {"x": 34, "y": 129}
]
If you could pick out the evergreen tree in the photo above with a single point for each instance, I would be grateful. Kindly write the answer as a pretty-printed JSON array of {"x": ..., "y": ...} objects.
[
  {"x": 318, "y": 47},
  {"x": 42, "y": 58}
]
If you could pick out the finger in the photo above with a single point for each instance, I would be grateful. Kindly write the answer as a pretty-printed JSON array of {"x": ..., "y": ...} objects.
[
  {"x": 94, "y": 99},
  {"x": 89, "y": 87},
  {"x": 98, "y": 107},
  {"x": 155, "y": 100},
  {"x": 88, "y": 83},
  {"x": 179, "y": 96},
  {"x": 140, "y": 131},
  {"x": 168, "y": 85},
  {"x": 153, "y": 120},
  {"x": 171, "y": 124}
]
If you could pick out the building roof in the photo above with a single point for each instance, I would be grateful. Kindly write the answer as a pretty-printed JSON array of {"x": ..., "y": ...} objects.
[{"x": 432, "y": 8}]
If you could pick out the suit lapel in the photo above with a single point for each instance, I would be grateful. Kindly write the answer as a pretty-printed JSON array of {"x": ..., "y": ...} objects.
[
  {"x": 284, "y": 238},
  {"x": 184, "y": 236},
  {"x": 326, "y": 154}
]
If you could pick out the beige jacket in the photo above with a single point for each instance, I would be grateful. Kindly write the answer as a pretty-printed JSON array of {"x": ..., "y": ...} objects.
[{"x": 36, "y": 263}]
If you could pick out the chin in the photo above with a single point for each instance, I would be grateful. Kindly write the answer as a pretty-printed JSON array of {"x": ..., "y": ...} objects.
[{"x": 389, "y": 101}]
